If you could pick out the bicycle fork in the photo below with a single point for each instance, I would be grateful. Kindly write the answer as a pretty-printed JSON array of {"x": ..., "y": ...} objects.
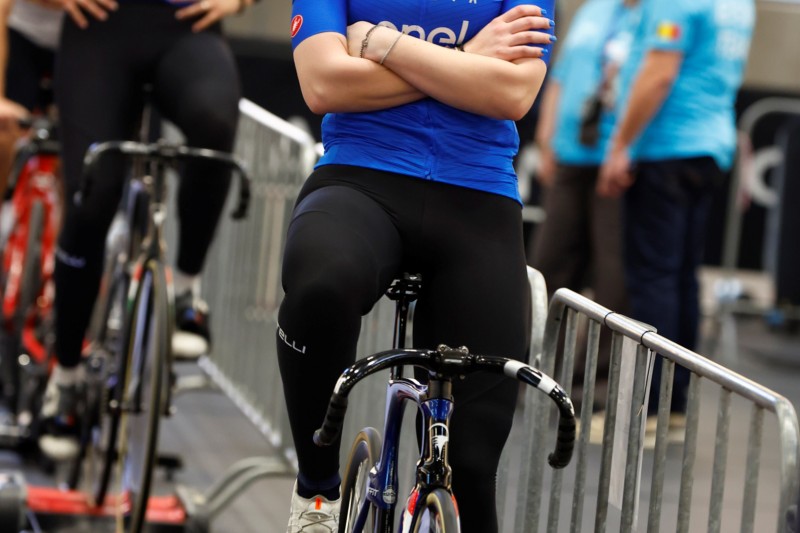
[{"x": 433, "y": 469}]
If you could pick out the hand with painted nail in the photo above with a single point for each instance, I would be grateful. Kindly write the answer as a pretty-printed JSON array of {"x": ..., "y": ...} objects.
[
  {"x": 508, "y": 36},
  {"x": 207, "y": 12},
  {"x": 81, "y": 10}
]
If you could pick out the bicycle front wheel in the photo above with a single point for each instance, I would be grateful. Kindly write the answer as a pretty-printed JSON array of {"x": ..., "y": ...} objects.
[
  {"x": 143, "y": 391},
  {"x": 437, "y": 514},
  {"x": 112, "y": 334},
  {"x": 363, "y": 455}
]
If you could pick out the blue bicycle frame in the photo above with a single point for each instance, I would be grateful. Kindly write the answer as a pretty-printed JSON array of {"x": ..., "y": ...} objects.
[
  {"x": 433, "y": 471},
  {"x": 435, "y": 404}
]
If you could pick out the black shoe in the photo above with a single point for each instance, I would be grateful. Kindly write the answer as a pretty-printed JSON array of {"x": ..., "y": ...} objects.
[
  {"x": 60, "y": 412},
  {"x": 192, "y": 336}
]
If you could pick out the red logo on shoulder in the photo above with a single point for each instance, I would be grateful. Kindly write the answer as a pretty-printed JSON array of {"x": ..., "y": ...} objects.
[{"x": 297, "y": 23}]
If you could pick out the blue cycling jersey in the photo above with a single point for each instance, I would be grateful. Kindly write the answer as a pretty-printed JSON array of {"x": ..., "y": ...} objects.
[{"x": 425, "y": 139}]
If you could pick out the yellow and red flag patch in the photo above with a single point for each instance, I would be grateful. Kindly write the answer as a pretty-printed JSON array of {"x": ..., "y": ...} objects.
[{"x": 668, "y": 31}]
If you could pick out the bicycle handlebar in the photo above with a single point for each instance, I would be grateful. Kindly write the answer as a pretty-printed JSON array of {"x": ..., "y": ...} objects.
[
  {"x": 42, "y": 141},
  {"x": 449, "y": 362},
  {"x": 167, "y": 154}
]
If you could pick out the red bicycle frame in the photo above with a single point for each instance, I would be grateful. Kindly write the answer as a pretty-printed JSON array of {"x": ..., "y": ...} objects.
[{"x": 38, "y": 181}]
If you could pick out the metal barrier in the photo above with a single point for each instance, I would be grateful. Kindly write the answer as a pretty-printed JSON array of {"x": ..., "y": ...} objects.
[
  {"x": 581, "y": 496},
  {"x": 241, "y": 281}
]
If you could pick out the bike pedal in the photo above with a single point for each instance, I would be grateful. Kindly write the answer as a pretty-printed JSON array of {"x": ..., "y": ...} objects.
[{"x": 169, "y": 462}]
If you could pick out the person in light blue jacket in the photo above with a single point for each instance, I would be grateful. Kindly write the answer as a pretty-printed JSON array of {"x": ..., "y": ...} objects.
[{"x": 679, "y": 85}]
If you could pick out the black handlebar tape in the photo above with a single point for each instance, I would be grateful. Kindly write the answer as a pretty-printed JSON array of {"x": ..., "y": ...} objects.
[
  {"x": 86, "y": 186},
  {"x": 565, "y": 442},
  {"x": 334, "y": 418},
  {"x": 89, "y": 160},
  {"x": 244, "y": 197}
]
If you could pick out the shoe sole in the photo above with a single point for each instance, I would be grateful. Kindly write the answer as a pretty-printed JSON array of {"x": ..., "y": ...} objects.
[{"x": 188, "y": 346}]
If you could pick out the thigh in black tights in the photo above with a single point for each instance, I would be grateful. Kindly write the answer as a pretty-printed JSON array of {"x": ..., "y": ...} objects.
[
  {"x": 353, "y": 231},
  {"x": 100, "y": 72}
]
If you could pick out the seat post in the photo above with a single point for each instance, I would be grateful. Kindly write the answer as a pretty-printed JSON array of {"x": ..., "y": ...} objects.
[{"x": 404, "y": 292}]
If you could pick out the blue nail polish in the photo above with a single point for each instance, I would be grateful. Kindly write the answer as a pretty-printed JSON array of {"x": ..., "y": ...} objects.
[
  {"x": 553, "y": 38},
  {"x": 552, "y": 23},
  {"x": 544, "y": 11},
  {"x": 545, "y": 51}
]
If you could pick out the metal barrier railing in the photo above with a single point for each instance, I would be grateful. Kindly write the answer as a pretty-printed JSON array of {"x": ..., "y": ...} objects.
[
  {"x": 520, "y": 443},
  {"x": 582, "y": 495},
  {"x": 241, "y": 281}
]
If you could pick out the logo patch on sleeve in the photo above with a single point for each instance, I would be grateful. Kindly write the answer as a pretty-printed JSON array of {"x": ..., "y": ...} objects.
[
  {"x": 297, "y": 23},
  {"x": 668, "y": 31}
]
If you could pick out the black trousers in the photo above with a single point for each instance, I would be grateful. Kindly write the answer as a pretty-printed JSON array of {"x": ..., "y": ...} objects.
[
  {"x": 100, "y": 73},
  {"x": 353, "y": 231},
  {"x": 579, "y": 245},
  {"x": 665, "y": 226},
  {"x": 28, "y": 63}
]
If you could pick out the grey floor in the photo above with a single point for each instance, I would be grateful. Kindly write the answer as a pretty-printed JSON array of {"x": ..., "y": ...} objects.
[{"x": 210, "y": 434}]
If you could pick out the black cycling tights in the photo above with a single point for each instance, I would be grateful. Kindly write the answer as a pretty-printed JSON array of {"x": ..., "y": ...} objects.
[
  {"x": 28, "y": 64},
  {"x": 353, "y": 231},
  {"x": 100, "y": 73}
]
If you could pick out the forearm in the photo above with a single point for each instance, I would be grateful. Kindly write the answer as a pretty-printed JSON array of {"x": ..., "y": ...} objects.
[
  {"x": 650, "y": 89},
  {"x": 548, "y": 109},
  {"x": 475, "y": 83},
  {"x": 5, "y": 8},
  {"x": 334, "y": 82},
  {"x": 3, "y": 60}
]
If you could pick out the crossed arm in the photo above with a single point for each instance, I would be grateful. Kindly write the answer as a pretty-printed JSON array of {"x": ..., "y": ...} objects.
[{"x": 499, "y": 76}]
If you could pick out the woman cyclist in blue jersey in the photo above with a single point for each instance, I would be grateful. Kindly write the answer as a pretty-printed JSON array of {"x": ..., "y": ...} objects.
[
  {"x": 417, "y": 176},
  {"x": 109, "y": 51}
]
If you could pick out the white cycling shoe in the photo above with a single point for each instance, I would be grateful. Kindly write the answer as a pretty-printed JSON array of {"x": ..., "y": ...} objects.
[{"x": 315, "y": 515}]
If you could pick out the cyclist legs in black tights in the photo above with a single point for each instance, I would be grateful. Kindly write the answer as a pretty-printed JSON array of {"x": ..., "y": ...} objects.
[
  {"x": 347, "y": 241},
  {"x": 197, "y": 89},
  {"x": 99, "y": 78},
  {"x": 330, "y": 282}
]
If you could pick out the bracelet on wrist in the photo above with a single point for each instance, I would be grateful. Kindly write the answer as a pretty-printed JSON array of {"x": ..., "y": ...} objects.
[
  {"x": 386, "y": 54},
  {"x": 365, "y": 42}
]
